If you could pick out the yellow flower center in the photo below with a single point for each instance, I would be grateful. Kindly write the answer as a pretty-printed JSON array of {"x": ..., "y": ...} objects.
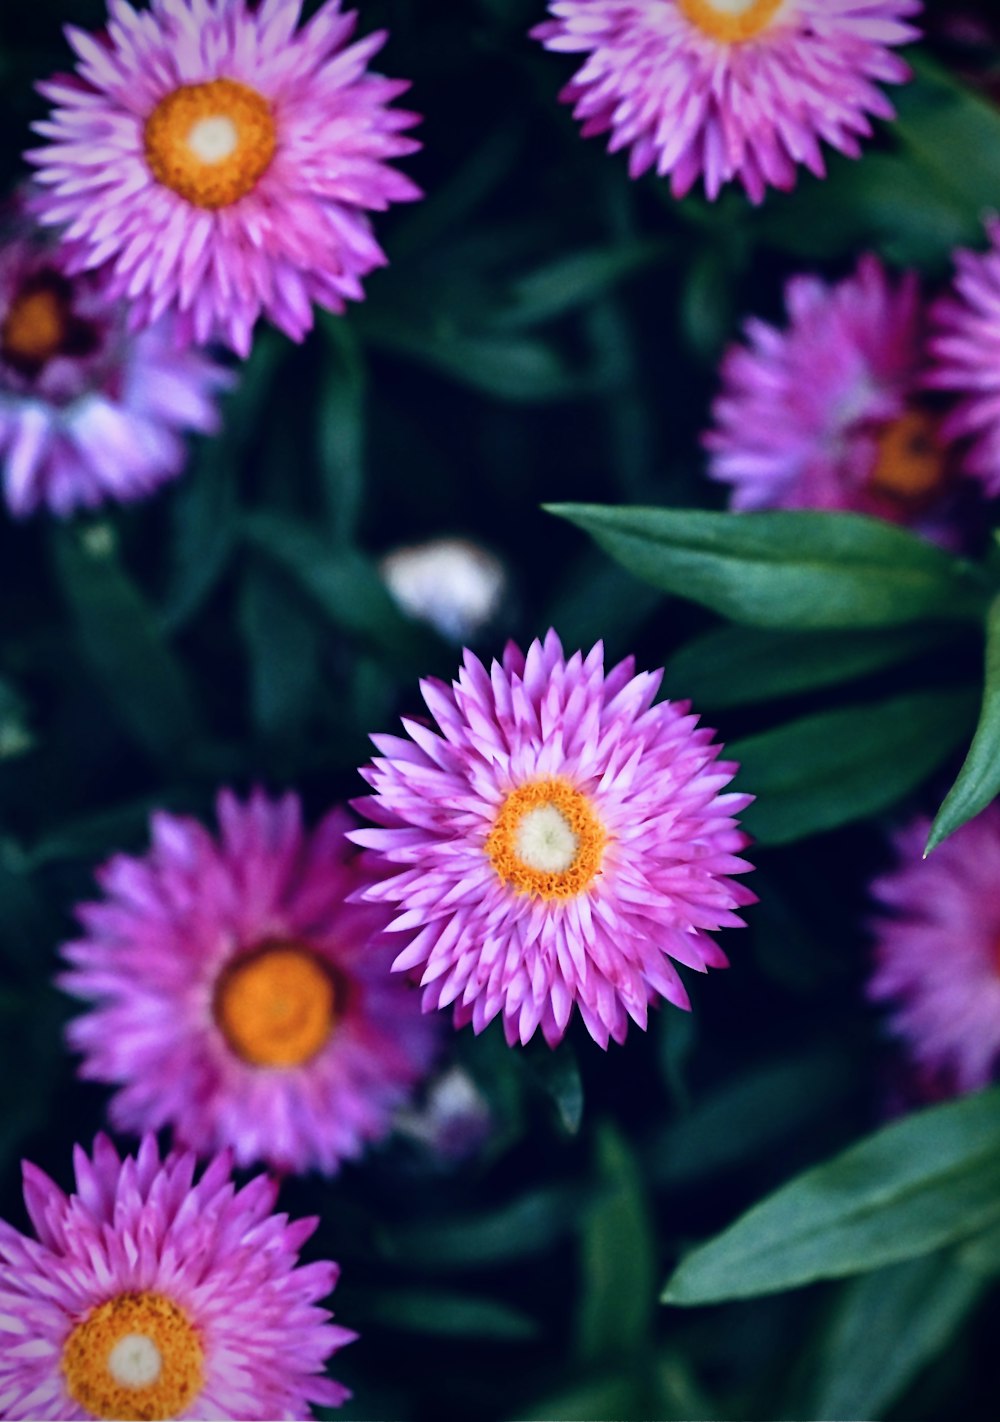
[
  {"x": 730, "y": 21},
  {"x": 35, "y": 327},
  {"x": 911, "y": 464},
  {"x": 277, "y": 1006},
  {"x": 135, "y": 1356},
  {"x": 210, "y": 142},
  {"x": 547, "y": 840}
]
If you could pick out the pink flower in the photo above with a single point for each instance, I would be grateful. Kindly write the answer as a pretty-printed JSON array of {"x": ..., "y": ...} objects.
[
  {"x": 828, "y": 413},
  {"x": 88, "y": 412},
  {"x": 937, "y": 950},
  {"x": 145, "y": 1295},
  {"x": 240, "y": 998},
  {"x": 965, "y": 345},
  {"x": 223, "y": 162},
  {"x": 730, "y": 88},
  {"x": 558, "y": 840}
]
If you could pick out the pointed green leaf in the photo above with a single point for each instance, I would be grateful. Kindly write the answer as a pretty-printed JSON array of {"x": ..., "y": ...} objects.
[
  {"x": 795, "y": 570},
  {"x": 915, "y": 1186},
  {"x": 979, "y": 779},
  {"x": 837, "y": 766}
]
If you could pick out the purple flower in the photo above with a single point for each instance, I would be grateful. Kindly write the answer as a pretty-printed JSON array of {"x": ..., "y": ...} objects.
[
  {"x": 937, "y": 950},
  {"x": 730, "y": 88},
  {"x": 557, "y": 841},
  {"x": 146, "y": 1295},
  {"x": 88, "y": 412},
  {"x": 223, "y": 162},
  {"x": 829, "y": 413},
  {"x": 239, "y": 998}
]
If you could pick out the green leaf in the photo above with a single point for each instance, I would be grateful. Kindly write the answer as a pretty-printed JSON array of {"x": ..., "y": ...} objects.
[
  {"x": 344, "y": 583},
  {"x": 341, "y": 432},
  {"x": 575, "y": 279},
  {"x": 16, "y": 737},
  {"x": 737, "y": 666},
  {"x": 526, "y": 1226},
  {"x": 588, "y": 1400},
  {"x": 979, "y": 779},
  {"x": 119, "y": 638},
  {"x": 446, "y": 1314},
  {"x": 618, "y": 1254},
  {"x": 837, "y": 766},
  {"x": 557, "y": 1072},
  {"x": 282, "y": 642},
  {"x": 915, "y": 1186},
  {"x": 795, "y": 570},
  {"x": 887, "y": 1327}
]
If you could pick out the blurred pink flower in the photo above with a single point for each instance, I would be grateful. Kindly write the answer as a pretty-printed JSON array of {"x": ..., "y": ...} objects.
[
  {"x": 965, "y": 346},
  {"x": 88, "y": 412},
  {"x": 559, "y": 840},
  {"x": 729, "y": 89},
  {"x": 146, "y": 1295},
  {"x": 239, "y": 998},
  {"x": 223, "y": 162},
  {"x": 829, "y": 413},
  {"x": 937, "y": 950}
]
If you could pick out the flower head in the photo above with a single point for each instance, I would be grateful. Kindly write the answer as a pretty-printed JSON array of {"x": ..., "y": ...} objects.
[
  {"x": 88, "y": 412},
  {"x": 239, "y": 997},
  {"x": 147, "y": 1295},
  {"x": 730, "y": 88},
  {"x": 937, "y": 950},
  {"x": 965, "y": 346},
  {"x": 223, "y": 162},
  {"x": 829, "y": 414},
  {"x": 559, "y": 839}
]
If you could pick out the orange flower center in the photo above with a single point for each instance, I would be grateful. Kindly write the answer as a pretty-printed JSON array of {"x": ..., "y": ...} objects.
[
  {"x": 210, "y": 142},
  {"x": 730, "y": 21},
  {"x": 547, "y": 840},
  {"x": 277, "y": 1006},
  {"x": 911, "y": 464},
  {"x": 135, "y": 1356},
  {"x": 35, "y": 327}
]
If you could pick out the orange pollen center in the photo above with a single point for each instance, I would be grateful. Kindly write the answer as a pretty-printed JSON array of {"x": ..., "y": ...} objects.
[
  {"x": 277, "y": 1006},
  {"x": 910, "y": 461},
  {"x": 730, "y": 21},
  {"x": 210, "y": 142},
  {"x": 137, "y": 1355},
  {"x": 547, "y": 840},
  {"x": 35, "y": 327}
]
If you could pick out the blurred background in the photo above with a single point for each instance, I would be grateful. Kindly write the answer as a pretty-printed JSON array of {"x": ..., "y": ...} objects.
[{"x": 547, "y": 331}]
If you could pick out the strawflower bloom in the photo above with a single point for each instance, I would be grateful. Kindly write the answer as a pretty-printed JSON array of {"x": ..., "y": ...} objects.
[
  {"x": 239, "y": 998},
  {"x": 88, "y": 411},
  {"x": 937, "y": 950},
  {"x": 146, "y": 1295},
  {"x": 725, "y": 89},
  {"x": 223, "y": 162},
  {"x": 829, "y": 412},
  {"x": 965, "y": 347},
  {"x": 558, "y": 840}
]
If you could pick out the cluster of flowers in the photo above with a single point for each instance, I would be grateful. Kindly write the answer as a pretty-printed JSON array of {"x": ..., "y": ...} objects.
[{"x": 553, "y": 838}]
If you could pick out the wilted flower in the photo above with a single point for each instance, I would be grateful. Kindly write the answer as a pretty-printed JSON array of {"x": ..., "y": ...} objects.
[
  {"x": 88, "y": 412},
  {"x": 146, "y": 1295},
  {"x": 239, "y": 998},
  {"x": 223, "y": 162},
  {"x": 455, "y": 586},
  {"x": 829, "y": 413},
  {"x": 937, "y": 950},
  {"x": 558, "y": 841},
  {"x": 730, "y": 88}
]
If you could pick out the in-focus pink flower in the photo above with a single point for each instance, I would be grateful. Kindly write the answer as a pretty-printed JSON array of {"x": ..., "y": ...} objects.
[
  {"x": 239, "y": 998},
  {"x": 88, "y": 411},
  {"x": 147, "y": 1295},
  {"x": 727, "y": 89},
  {"x": 558, "y": 840},
  {"x": 965, "y": 347},
  {"x": 937, "y": 950},
  {"x": 223, "y": 162},
  {"x": 829, "y": 412}
]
